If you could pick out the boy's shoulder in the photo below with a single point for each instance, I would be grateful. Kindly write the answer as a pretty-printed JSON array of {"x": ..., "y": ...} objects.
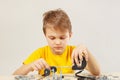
[{"x": 43, "y": 47}]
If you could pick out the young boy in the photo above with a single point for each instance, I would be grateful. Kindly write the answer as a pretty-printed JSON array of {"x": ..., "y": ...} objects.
[{"x": 58, "y": 30}]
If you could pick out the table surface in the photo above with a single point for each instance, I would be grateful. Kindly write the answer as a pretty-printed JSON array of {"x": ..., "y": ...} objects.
[{"x": 103, "y": 76}]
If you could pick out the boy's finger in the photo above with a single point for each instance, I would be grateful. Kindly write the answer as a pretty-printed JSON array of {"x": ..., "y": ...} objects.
[
  {"x": 80, "y": 56},
  {"x": 45, "y": 64},
  {"x": 34, "y": 66},
  {"x": 38, "y": 66},
  {"x": 86, "y": 55}
]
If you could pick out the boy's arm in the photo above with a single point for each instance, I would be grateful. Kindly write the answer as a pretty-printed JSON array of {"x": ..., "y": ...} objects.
[
  {"x": 92, "y": 65},
  {"x": 36, "y": 65}
]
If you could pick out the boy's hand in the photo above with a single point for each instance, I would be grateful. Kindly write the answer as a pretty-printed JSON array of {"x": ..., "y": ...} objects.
[
  {"x": 39, "y": 64},
  {"x": 79, "y": 51}
]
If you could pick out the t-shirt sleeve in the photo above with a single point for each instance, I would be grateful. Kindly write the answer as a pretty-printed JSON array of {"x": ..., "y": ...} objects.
[{"x": 34, "y": 56}]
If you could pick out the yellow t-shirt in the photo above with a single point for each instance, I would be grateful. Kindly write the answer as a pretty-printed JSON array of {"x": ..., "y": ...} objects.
[{"x": 52, "y": 59}]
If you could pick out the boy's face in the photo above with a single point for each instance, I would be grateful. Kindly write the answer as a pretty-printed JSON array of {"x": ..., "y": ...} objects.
[{"x": 57, "y": 40}]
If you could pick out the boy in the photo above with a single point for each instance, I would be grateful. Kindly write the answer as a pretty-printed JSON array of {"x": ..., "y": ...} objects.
[{"x": 58, "y": 30}]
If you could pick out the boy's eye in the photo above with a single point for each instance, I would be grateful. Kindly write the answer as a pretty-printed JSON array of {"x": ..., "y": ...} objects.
[
  {"x": 52, "y": 38},
  {"x": 62, "y": 37}
]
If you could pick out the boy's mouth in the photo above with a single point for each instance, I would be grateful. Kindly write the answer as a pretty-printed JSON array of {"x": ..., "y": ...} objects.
[{"x": 57, "y": 47}]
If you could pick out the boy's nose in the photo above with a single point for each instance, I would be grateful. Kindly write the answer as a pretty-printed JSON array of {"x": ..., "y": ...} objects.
[{"x": 57, "y": 42}]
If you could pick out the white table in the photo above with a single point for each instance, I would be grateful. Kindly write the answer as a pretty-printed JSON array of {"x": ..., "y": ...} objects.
[{"x": 111, "y": 76}]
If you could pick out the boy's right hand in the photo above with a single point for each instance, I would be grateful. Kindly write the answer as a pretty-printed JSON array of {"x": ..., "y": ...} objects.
[{"x": 39, "y": 64}]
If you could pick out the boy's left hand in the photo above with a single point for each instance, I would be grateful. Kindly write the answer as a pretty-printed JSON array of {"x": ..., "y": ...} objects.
[{"x": 79, "y": 51}]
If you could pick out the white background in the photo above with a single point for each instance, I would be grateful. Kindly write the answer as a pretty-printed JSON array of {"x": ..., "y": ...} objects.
[{"x": 95, "y": 23}]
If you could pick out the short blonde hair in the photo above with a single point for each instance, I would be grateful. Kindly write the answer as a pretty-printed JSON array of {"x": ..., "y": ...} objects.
[{"x": 58, "y": 19}]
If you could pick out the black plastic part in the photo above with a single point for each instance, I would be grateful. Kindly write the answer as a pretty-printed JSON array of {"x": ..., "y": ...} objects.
[
  {"x": 46, "y": 72},
  {"x": 83, "y": 65},
  {"x": 62, "y": 76},
  {"x": 53, "y": 68}
]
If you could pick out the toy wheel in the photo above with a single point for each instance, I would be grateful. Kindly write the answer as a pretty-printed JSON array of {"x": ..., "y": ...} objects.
[
  {"x": 53, "y": 69},
  {"x": 46, "y": 72}
]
